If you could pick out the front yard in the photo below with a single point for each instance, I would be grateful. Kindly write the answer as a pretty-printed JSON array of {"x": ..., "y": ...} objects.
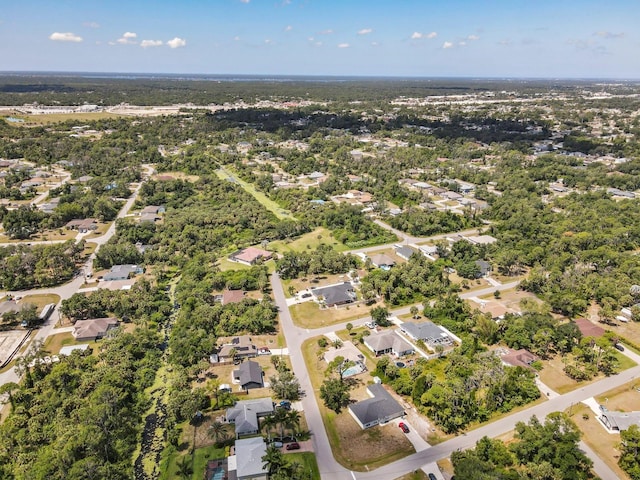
[
  {"x": 353, "y": 447},
  {"x": 310, "y": 315}
]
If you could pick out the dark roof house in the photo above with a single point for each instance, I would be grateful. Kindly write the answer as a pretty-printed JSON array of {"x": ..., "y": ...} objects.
[
  {"x": 334, "y": 295},
  {"x": 428, "y": 332},
  {"x": 404, "y": 251},
  {"x": 381, "y": 408},
  {"x": 484, "y": 266},
  {"x": 249, "y": 375}
]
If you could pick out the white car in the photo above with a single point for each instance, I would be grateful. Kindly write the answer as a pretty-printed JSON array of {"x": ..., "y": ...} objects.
[{"x": 370, "y": 325}]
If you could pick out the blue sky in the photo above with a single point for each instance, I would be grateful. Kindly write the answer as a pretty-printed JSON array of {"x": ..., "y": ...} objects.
[{"x": 486, "y": 38}]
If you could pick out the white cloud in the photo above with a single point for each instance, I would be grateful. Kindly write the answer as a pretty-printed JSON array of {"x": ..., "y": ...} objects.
[
  {"x": 177, "y": 42},
  {"x": 462, "y": 43},
  {"x": 236, "y": 38},
  {"x": 65, "y": 37},
  {"x": 151, "y": 43},
  {"x": 609, "y": 35},
  {"x": 447, "y": 45},
  {"x": 374, "y": 44},
  {"x": 91, "y": 24},
  {"x": 326, "y": 32},
  {"x": 128, "y": 38},
  {"x": 245, "y": 1},
  {"x": 419, "y": 35},
  {"x": 365, "y": 31},
  {"x": 268, "y": 41},
  {"x": 506, "y": 42},
  {"x": 288, "y": 28},
  {"x": 343, "y": 45},
  {"x": 473, "y": 38}
]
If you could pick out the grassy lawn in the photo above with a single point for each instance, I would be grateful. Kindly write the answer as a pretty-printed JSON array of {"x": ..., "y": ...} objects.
[
  {"x": 308, "y": 461},
  {"x": 41, "y": 299},
  {"x": 225, "y": 265},
  {"x": 199, "y": 462},
  {"x": 225, "y": 173},
  {"x": 308, "y": 241},
  {"x": 554, "y": 377},
  {"x": 54, "y": 343},
  {"x": 180, "y": 175},
  {"x": 593, "y": 433},
  {"x": 309, "y": 314},
  {"x": 416, "y": 475},
  {"x": 353, "y": 447}
]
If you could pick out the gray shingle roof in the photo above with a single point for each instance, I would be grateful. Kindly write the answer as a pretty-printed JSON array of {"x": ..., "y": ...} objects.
[
  {"x": 428, "y": 332},
  {"x": 245, "y": 414},
  {"x": 249, "y": 453},
  {"x": 249, "y": 372},
  {"x": 336, "y": 294},
  {"x": 385, "y": 340},
  {"x": 380, "y": 408}
]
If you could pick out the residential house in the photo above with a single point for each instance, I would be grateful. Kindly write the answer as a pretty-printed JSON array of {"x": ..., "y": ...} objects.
[
  {"x": 382, "y": 261},
  {"x": 589, "y": 329},
  {"x": 249, "y": 375},
  {"x": 335, "y": 295},
  {"x": 246, "y": 414},
  {"x": 232, "y": 296},
  {"x": 250, "y": 256},
  {"x": 388, "y": 342},
  {"x": 152, "y": 209},
  {"x": 484, "y": 267},
  {"x": 82, "y": 225},
  {"x": 429, "y": 250},
  {"x": 452, "y": 195},
  {"x": 348, "y": 351},
  {"x": 248, "y": 459},
  {"x": 620, "y": 421},
  {"x": 93, "y": 328},
  {"x": 404, "y": 251},
  {"x": 519, "y": 358},
  {"x": 241, "y": 345},
  {"x": 378, "y": 409},
  {"x": 428, "y": 332},
  {"x": 482, "y": 239},
  {"x": 122, "y": 272}
]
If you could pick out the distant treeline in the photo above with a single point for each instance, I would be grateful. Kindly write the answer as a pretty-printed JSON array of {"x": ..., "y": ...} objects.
[{"x": 77, "y": 90}]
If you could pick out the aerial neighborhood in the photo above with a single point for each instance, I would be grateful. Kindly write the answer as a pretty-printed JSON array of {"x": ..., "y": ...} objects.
[{"x": 406, "y": 280}]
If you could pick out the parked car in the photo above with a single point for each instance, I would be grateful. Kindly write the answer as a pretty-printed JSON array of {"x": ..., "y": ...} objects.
[
  {"x": 276, "y": 444},
  {"x": 285, "y": 404},
  {"x": 305, "y": 295},
  {"x": 403, "y": 427},
  {"x": 432, "y": 476},
  {"x": 264, "y": 351},
  {"x": 618, "y": 346},
  {"x": 371, "y": 325},
  {"x": 293, "y": 446}
]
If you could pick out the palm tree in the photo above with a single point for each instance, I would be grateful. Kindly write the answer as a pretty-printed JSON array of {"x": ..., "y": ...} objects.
[
  {"x": 218, "y": 432},
  {"x": 273, "y": 460},
  {"x": 292, "y": 421},
  {"x": 268, "y": 423},
  {"x": 185, "y": 470}
]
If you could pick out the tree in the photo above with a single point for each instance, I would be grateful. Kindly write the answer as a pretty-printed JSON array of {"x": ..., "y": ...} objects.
[
  {"x": 9, "y": 388},
  {"x": 285, "y": 386},
  {"x": 349, "y": 327},
  {"x": 273, "y": 460},
  {"x": 413, "y": 311},
  {"x": 630, "y": 451},
  {"x": 380, "y": 315},
  {"x": 335, "y": 394},
  {"x": 185, "y": 470},
  {"x": 218, "y": 431},
  {"x": 339, "y": 365}
]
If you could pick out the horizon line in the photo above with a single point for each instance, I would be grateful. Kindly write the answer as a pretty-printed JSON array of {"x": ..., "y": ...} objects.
[{"x": 315, "y": 75}]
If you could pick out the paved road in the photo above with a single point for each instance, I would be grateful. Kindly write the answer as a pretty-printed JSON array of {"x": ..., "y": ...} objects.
[
  {"x": 405, "y": 239},
  {"x": 68, "y": 289},
  {"x": 331, "y": 469}
]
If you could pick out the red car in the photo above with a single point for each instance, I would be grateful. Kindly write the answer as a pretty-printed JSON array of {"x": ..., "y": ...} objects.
[
  {"x": 403, "y": 427},
  {"x": 293, "y": 446}
]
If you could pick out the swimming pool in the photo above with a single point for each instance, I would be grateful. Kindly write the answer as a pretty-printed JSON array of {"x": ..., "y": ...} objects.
[{"x": 354, "y": 370}]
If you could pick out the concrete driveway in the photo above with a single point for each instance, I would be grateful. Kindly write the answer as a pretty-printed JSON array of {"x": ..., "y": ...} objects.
[{"x": 413, "y": 436}]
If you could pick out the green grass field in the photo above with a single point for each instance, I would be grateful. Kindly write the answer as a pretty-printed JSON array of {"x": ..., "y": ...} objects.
[
  {"x": 308, "y": 462},
  {"x": 31, "y": 120},
  {"x": 308, "y": 241},
  {"x": 225, "y": 173}
]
